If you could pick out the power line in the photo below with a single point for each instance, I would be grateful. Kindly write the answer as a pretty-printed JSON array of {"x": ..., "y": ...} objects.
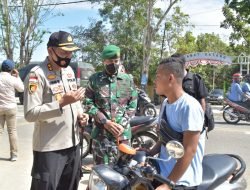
[{"x": 54, "y": 4}]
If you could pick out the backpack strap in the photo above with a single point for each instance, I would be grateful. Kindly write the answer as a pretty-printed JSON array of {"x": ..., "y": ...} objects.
[{"x": 196, "y": 84}]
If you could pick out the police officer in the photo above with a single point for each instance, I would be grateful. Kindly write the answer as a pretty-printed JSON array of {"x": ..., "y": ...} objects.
[
  {"x": 111, "y": 99},
  {"x": 52, "y": 101}
]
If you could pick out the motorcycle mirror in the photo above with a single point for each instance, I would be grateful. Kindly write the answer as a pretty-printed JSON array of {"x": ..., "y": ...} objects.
[
  {"x": 126, "y": 149},
  {"x": 175, "y": 149}
]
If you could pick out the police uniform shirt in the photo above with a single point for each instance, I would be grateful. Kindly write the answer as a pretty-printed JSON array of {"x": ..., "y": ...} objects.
[{"x": 55, "y": 128}]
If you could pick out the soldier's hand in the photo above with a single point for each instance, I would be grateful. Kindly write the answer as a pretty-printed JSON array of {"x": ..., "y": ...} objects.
[
  {"x": 114, "y": 128},
  {"x": 83, "y": 119},
  {"x": 72, "y": 97}
]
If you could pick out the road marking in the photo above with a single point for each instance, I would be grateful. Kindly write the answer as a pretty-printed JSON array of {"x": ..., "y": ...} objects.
[{"x": 247, "y": 132}]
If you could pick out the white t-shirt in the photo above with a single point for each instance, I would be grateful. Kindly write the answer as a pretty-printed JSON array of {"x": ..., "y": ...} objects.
[
  {"x": 185, "y": 114},
  {"x": 8, "y": 85}
]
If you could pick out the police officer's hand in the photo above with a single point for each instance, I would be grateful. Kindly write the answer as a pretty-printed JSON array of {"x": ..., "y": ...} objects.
[
  {"x": 114, "y": 128},
  {"x": 83, "y": 119},
  {"x": 72, "y": 97}
]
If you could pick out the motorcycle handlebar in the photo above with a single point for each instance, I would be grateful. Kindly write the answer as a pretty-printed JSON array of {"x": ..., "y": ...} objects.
[{"x": 164, "y": 180}]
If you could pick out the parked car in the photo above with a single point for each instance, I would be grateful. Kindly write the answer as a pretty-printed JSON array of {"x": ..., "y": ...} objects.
[
  {"x": 82, "y": 72},
  {"x": 216, "y": 96}
]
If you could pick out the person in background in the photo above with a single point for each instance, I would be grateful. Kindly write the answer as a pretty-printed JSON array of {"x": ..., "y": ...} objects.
[
  {"x": 9, "y": 83},
  {"x": 236, "y": 93},
  {"x": 246, "y": 84},
  {"x": 184, "y": 114},
  {"x": 246, "y": 90},
  {"x": 144, "y": 80},
  {"x": 52, "y": 101},
  {"x": 111, "y": 99}
]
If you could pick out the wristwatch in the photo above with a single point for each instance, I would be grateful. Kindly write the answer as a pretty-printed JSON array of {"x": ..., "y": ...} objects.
[{"x": 103, "y": 121}]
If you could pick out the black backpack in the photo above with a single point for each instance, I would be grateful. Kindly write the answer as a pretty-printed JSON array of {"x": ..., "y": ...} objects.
[{"x": 209, "y": 117}]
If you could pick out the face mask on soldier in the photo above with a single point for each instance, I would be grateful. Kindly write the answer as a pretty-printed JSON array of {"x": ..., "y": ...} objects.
[
  {"x": 112, "y": 68},
  {"x": 60, "y": 60}
]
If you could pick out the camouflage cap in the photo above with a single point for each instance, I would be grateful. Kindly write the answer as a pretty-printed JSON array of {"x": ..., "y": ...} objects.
[{"x": 111, "y": 52}]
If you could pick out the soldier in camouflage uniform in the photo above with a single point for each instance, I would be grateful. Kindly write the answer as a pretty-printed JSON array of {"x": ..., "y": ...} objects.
[{"x": 111, "y": 99}]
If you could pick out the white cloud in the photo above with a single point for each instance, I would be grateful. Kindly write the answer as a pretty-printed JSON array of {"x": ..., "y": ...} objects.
[{"x": 206, "y": 16}]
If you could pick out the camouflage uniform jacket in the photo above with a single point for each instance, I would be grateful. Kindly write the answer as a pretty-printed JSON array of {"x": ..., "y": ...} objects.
[{"x": 113, "y": 98}]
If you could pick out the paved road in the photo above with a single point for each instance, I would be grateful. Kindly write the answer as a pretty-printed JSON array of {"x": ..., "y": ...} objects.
[{"x": 16, "y": 175}]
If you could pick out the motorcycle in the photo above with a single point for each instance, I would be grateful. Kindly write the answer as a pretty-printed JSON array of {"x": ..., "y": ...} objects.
[
  {"x": 233, "y": 112},
  {"x": 134, "y": 170},
  {"x": 143, "y": 133},
  {"x": 144, "y": 105}
]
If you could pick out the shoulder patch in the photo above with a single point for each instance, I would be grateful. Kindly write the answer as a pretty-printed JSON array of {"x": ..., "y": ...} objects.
[{"x": 33, "y": 82}]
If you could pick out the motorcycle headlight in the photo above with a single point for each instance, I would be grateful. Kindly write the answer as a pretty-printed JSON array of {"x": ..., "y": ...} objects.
[
  {"x": 96, "y": 183},
  {"x": 220, "y": 97}
]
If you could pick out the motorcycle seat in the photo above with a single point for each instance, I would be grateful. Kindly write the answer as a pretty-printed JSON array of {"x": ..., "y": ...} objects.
[
  {"x": 241, "y": 106},
  {"x": 216, "y": 170},
  {"x": 145, "y": 120}
]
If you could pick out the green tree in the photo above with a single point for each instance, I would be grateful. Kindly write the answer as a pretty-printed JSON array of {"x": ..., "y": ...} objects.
[
  {"x": 238, "y": 18},
  {"x": 21, "y": 21},
  {"x": 126, "y": 24},
  {"x": 91, "y": 40},
  {"x": 186, "y": 44},
  {"x": 214, "y": 76}
]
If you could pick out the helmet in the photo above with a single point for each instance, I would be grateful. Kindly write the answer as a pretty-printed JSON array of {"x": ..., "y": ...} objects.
[
  {"x": 8, "y": 65},
  {"x": 237, "y": 76}
]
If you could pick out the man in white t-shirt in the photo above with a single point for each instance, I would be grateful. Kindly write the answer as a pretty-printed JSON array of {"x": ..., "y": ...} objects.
[
  {"x": 185, "y": 115},
  {"x": 9, "y": 82}
]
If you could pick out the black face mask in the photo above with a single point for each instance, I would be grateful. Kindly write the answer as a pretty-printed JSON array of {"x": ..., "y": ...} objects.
[
  {"x": 112, "y": 68},
  {"x": 59, "y": 59}
]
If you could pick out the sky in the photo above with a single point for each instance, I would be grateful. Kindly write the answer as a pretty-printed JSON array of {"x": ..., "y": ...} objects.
[{"x": 205, "y": 15}]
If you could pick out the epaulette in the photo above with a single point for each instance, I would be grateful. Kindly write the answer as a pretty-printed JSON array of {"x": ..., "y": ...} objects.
[{"x": 35, "y": 68}]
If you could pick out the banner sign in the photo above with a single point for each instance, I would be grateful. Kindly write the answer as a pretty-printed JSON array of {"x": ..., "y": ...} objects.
[{"x": 204, "y": 58}]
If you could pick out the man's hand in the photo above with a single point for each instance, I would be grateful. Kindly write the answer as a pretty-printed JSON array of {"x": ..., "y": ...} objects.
[
  {"x": 72, "y": 97},
  {"x": 247, "y": 96},
  {"x": 83, "y": 119},
  {"x": 163, "y": 187},
  {"x": 147, "y": 151},
  {"x": 114, "y": 128},
  {"x": 14, "y": 73}
]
